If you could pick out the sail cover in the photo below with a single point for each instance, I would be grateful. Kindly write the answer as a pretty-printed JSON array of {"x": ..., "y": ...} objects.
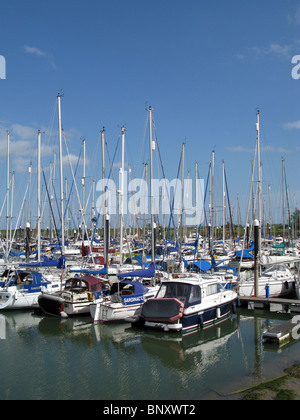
[{"x": 149, "y": 272}]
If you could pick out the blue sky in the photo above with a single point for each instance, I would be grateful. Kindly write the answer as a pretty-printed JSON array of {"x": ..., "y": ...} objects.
[{"x": 204, "y": 67}]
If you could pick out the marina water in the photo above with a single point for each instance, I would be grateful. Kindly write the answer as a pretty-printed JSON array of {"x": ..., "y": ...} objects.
[{"x": 46, "y": 358}]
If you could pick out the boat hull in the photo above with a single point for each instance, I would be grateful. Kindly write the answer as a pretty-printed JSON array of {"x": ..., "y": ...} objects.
[
  {"x": 200, "y": 319},
  {"x": 275, "y": 288},
  {"x": 51, "y": 304},
  {"x": 56, "y": 305},
  {"x": 17, "y": 300},
  {"x": 113, "y": 312}
]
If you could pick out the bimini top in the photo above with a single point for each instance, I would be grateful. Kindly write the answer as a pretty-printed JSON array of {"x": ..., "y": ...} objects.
[{"x": 90, "y": 283}]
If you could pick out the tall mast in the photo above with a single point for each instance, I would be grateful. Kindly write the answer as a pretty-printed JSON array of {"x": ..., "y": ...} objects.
[
  {"x": 283, "y": 202},
  {"x": 83, "y": 193},
  {"x": 211, "y": 210},
  {"x": 52, "y": 197},
  {"x": 122, "y": 194},
  {"x": 182, "y": 193},
  {"x": 104, "y": 192},
  {"x": 196, "y": 190},
  {"x": 151, "y": 146},
  {"x": 11, "y": 204},
  {"x": 7, "y": 197},
  {"x": 224, "y": 202},
  {"x": 39, "y": 197},
  {"x": 259, "y": 185},
  {"x": 61, "y": 177}
]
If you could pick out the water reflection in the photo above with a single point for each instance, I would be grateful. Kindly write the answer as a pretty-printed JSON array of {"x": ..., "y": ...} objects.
[
  {"x": 187, "y": 351},
  {"x": 75, "y": 359}
]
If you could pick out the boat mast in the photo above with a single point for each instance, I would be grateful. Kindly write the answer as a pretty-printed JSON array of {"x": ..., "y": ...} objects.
[
  {"x": 182, "y": 193},
  {"x": 283, "y": 203},
  {"x": 151, "y": 145},
  {"x": 259, "y": 186},
  {"x": 83, "y": 193},
  {"x": 224, "y": 203},
  {"x": 11, "y": 207},
  {"x": 61, "y": 177},
  {"x": 39, "y": 197},
  {"x": 105, "y": 236},
  {"x": 7, "y": 197},
  {"x": 211, "y": 209},
  {"x": 121, "y": 209}
]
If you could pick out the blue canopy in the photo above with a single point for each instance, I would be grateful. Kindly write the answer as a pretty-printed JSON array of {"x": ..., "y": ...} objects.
[
  {"x": 199, "y": 265},
  {"x": 137, "y": 295},
  {"x": 60, "y": 263},
  {"x": 103, "y": 271},
  {"x": 149, "y": 272},
  {"x": 138, "y": 287},
  {"x": 245, "y": 253}
]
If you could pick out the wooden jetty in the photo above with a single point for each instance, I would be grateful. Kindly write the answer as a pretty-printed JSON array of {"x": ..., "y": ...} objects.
[{"x": 292, "y": 305}]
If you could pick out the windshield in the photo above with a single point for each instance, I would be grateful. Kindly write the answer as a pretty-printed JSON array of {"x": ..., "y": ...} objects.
[{"x": 186, "y": 293}]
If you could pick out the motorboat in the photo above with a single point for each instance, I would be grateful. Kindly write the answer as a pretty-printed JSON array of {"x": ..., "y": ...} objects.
[
  {"x": 78, "y": 294},
  {"x": 185, "y": 302},
  {"x": 275, "y": 281},
  {"x": 23, "y": 289}
]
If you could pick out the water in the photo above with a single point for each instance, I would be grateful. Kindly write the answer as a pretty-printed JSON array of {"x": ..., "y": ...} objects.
[{"x": 48, "y": 358}]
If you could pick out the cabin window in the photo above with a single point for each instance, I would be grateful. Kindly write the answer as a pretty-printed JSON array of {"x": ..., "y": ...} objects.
[
  {"x": 28, "y": 280},
  {"x": 94, "y": 288},
  {"x": 195, "y": 295},
  {"x": 212, "y": 289},
  {"x": 174, "y": 290}
]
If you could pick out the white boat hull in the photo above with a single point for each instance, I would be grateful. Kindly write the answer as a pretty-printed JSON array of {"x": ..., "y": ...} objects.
[
  {"x": 17, "y": 300},
  {"x": 17, "y": 297},
  {"x": 106, "y": 311},
  {"x": 277, "y": 288}
]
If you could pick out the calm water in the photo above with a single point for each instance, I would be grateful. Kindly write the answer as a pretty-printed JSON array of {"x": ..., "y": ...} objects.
[{"x": 49, "y": 358}]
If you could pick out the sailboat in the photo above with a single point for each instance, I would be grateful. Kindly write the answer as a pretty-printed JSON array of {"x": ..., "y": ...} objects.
[
  {"x": 126, "y": 296},
  {"x": 23, "y": 289},
  {"x": 276, "y": 280}
]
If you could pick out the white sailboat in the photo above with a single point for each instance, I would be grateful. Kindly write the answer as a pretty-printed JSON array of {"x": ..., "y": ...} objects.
[
  {"x": 126, "y": 297},
  {"x": 275, "y": 281}
]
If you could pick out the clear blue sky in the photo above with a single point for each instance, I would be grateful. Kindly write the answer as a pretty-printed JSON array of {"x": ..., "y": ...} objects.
[{"x": 204, "y": 66}]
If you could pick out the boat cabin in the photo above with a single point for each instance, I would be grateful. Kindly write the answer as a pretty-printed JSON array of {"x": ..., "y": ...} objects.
[
  {"x": 129, "y": 291},
  {"x": 87, "y": 284},
  {"x": 187, "y": 293}
]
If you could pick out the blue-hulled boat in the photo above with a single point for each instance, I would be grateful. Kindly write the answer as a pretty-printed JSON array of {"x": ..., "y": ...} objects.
[{"x": 187, "y": 301}]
